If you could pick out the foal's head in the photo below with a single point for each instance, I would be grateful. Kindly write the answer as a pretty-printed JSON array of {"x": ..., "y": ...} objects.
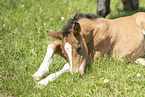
[
  {"x": 73, "y": 43},
  {"x": 75, "y": 47}
]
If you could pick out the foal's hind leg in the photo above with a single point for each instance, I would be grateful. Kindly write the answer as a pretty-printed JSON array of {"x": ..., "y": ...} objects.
[{"x": 44, "y": 67}]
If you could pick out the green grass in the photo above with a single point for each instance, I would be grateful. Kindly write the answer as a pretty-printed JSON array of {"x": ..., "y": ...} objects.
[{"x": 23, "y": 44}]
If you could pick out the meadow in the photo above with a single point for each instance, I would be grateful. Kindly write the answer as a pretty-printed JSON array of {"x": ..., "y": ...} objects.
[{"x": 23, "y": 44}]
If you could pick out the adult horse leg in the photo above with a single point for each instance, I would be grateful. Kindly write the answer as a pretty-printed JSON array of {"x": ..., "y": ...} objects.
[
  {"x": 44, "y": 67},
  {"x": 107, "y": 4},
  {"x": 134, "y": 4},
  {"x": 103, "y": 8},
  {"x": 130, "y": 4}
]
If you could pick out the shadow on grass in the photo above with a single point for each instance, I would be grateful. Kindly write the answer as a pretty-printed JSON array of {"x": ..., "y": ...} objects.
[{"x": 122, "y": 13}]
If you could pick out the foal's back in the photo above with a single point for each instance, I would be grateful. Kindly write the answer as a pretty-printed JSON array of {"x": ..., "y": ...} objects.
[{"x": 128, "y": 36}]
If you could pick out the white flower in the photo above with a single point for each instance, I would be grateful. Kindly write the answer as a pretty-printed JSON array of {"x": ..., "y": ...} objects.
[
  {"x": 106, "y": 81},
  {"x": 138, "y": 74},
  {"x": 4, "y": 25},
  {"x": 128, "y": 76},
  {"x": 62, "y": 18},
  {"x": 22, "y": 5}
]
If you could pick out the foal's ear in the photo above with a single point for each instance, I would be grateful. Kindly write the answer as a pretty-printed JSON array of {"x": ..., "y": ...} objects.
[
  {"x": 56, "y": 35},
  {"x": 76, "y": 28}
]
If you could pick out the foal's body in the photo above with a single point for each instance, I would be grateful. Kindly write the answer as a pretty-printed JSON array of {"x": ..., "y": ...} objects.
[
  {"x": 121, "y": 37},
  {"x": 90, "y": 38}
]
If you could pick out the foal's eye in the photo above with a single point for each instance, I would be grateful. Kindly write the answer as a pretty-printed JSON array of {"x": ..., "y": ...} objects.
[{"x": 79, "y": 48}]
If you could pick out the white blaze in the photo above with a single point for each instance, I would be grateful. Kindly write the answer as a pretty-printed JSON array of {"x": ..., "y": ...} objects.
[{"x": 68, "y": 49}]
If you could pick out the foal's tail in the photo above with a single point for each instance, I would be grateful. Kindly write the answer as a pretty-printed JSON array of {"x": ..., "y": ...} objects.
[{"x": 140, "y": 20}]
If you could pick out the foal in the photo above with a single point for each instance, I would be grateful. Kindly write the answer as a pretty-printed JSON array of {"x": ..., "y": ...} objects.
[{"x": 87, "y": 37}]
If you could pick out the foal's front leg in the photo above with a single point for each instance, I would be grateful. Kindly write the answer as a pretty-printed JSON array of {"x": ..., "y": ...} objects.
[
  {"x": 44, "y": 67},
  {"x": 51, "y": 77}
]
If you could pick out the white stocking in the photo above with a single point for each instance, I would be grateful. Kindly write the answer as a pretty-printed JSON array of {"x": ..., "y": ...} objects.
[
  {"x": 44, "y": 68},
  {"x": 53, "y": 76}
]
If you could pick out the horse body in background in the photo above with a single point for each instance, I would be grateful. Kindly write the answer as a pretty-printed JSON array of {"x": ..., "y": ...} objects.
[
  {"x": 87, "y": 37},
  {"x": 103, "y": 8}
]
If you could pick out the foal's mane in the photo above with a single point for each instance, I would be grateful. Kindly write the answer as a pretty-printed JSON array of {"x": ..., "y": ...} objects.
[{"x": 78, "y": 16}]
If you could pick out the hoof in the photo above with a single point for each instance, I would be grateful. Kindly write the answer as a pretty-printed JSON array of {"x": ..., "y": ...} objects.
[
  {"x": 35, "y": 77},
  {"x": 42, "y": 83},
  {"x": 40, "y": 86},
  {"x": 39, "y": 74}
]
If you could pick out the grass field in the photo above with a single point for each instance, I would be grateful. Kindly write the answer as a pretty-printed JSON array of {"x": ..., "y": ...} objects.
[{"x": 23, "y": 44}]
